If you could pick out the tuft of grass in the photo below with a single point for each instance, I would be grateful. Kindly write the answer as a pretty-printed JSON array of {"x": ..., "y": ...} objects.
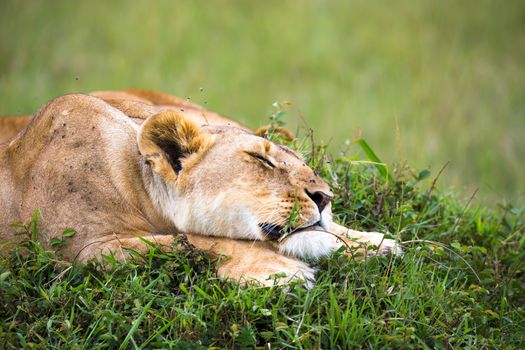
[{"x": 460, "y": 283}]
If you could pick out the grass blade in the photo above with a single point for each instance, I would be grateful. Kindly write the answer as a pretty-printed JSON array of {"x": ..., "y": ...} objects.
[
  {"x": 380, "y": 166},
  {"x": 135, "y": 325}
]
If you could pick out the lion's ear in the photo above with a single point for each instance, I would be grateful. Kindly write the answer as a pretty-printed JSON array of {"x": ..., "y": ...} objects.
[
  {"x": 165, "y": 139},
  {"x": 265, "y": 131}
]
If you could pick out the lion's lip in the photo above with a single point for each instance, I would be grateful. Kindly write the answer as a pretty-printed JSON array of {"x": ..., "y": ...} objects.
[
  {"x": 315, "y": 227},
  {"x": 276, "y": 232},
  {"x": 272, "y": 230}
]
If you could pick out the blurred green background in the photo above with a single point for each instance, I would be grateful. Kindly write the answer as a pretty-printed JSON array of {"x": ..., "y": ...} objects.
[{"x": 424, "y": 81}]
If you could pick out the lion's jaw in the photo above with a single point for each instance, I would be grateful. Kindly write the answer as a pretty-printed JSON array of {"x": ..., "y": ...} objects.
[
  {"x": 312, "y": 242},
  {"x": 223, "y": 215}
]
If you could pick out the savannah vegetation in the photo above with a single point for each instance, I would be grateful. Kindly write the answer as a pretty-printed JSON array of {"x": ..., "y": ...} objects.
[{"x": 427, "y": 83}]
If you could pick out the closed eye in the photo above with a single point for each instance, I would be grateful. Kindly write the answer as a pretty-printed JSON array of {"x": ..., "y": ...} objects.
[{"x": 261, "y": 158}]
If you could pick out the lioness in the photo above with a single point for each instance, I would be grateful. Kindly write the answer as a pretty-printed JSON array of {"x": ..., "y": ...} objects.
[{"x": 125, "y": 166}]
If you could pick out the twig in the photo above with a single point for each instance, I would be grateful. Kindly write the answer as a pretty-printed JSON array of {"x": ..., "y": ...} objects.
[{"x": 59, "y": 275}]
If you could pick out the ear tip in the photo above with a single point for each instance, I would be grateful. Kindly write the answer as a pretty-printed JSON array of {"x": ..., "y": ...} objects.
[
  {"x": 166, "y": 117},
  {"x": 169, "y": 127},
  {"x": 287, "y": 134},
  {"x": 168, "y": 120}
]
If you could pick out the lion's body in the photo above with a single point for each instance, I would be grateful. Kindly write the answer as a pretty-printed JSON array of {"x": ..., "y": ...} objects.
[
  {"x": 69, "y": 151},
  {"x": 116, "y": 166}
]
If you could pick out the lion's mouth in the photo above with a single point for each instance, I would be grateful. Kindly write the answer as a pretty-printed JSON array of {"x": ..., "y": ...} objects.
[
  {"x": 279, "y": 232},
  {"x": 273, "y": 231}
]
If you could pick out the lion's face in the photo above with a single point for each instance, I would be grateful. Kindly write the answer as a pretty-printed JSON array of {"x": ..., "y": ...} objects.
[
  {"x": 233, "y": 183},
  {"x": 254, "y": 186}
]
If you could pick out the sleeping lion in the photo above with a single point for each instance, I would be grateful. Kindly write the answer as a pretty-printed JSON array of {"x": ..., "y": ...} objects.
[{"x": 125, "y": 167}]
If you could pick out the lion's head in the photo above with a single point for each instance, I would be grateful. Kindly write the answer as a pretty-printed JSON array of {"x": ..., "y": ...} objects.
[{"x": 224, "y": 181}]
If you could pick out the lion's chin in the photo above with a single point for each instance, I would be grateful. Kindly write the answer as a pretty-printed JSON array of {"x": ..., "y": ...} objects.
[{"x": 311, "y": 242}]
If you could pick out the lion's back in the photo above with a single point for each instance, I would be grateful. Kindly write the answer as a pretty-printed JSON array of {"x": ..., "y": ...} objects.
[{"x": 64, "y": 156}]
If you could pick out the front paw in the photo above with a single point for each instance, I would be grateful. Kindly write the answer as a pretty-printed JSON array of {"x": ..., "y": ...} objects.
[
  {"x": 287, "y": 271},
  {"x": 370, "y": 243},
  {"x": 388, "y": 246},
  {"x": 277, "y": 270}
]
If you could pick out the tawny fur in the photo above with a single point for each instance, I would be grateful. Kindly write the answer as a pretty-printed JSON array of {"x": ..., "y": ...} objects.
[{"x": 103, "y": 167}]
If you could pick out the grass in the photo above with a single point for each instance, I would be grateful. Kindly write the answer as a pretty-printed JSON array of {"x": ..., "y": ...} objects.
[
  {"x": 424, "y": 81},
  {"x": 459, "y": 285}
]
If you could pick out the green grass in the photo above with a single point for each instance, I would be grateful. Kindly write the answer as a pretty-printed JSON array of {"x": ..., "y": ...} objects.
[
  {"x": 459, "y": 285},
  {"x": 425, "y": 81}
]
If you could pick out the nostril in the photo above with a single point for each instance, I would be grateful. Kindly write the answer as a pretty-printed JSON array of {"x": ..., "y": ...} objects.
[{"x": 320, "y": 198}]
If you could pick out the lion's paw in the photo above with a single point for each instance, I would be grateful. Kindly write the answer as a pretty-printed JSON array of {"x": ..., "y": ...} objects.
[
  {"x": 373, "y": 243},
  {"x": 390, "y": 247},
  {"x": 299, "y": 272},
  {"x": 281, "y": 271}
]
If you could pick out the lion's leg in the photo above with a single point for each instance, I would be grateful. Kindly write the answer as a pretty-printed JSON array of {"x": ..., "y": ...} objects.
[
  {"x": 243, "y": 261},
  {"x": 361, "y": 240},
  {"x": 247, "y": 261}
]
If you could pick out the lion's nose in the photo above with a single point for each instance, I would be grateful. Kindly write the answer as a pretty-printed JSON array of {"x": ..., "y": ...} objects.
[{"x": 320, "y": 198}]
